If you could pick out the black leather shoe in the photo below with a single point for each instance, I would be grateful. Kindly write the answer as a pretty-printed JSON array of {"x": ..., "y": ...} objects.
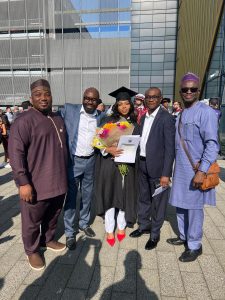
[
  {"x": 190, "y": 255},
  {"x": 71, "y": 243},
  {"x": 138, "y": 232},
  {"x": 176, "y": 241},
  {"x": 88, "y": 231},
  {"x": 151, "y": 243}
]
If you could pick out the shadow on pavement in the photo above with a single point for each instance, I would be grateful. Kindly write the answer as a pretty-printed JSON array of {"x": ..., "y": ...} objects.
[
  {"x": 171, "y": 218},
  {"x": 69, "y": 276},
  {"x": 9, "y": 208},
  {"x": 1, "y": 283},
  {"x": 6, "y": 178},
  {"x": 132, "y": 265},
  {"x": 6, "y": 238},
  {"x": 222, "y": 174}
]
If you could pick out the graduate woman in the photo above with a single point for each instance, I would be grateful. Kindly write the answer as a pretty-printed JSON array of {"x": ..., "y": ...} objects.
[{"x": 116, "y": 194}]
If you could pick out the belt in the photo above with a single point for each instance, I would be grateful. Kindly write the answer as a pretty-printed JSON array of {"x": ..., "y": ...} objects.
[
  {"x": 142, "y": 158},
  {"x": 85, "y": 157}
]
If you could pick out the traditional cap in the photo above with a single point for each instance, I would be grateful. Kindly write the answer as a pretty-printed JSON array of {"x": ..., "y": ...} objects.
[
  {"x": 123, "y": 93},
  {"x": 190, "y": 77},
  {"x": 40, "y": 82},
  {"x": 166, "y": 100},
  {"x": 140, "y": 96}
]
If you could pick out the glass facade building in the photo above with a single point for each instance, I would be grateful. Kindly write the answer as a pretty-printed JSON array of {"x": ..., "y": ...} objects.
[
  {"x": 75, "y": 44},
  {"x": 215, "y": 76},
  {"x": 153, "y": 45}
]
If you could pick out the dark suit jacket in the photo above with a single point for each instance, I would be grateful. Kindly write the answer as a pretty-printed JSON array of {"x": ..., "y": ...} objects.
[
  {"x": 71, "y": 116},
  {"x": 160, "y": 146}
]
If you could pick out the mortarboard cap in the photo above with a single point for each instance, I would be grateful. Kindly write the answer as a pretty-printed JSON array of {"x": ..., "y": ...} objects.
[{"x": 123, "y": 93}]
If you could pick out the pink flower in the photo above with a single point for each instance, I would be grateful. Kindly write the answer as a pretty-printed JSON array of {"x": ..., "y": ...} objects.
[{"x": 104, "y": 133}]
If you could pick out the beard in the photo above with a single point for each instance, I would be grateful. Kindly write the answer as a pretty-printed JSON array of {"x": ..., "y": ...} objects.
[{"x": 89, "y": 110}]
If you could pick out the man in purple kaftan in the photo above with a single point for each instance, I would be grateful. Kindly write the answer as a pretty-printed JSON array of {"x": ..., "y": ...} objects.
[
  {"x": 199, "y": 132},
  {"x": 38, "y": 156}
]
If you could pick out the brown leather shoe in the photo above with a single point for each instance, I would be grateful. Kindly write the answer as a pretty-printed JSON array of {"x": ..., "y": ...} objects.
[
  {"x": 55, "y": 246},
  {"x": 36, "y": 262}
]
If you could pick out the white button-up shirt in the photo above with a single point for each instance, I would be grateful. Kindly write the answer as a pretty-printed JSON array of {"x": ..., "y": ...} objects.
[
  {"x": 86, "y": 132},
  {"x": 149, "y": 118}
]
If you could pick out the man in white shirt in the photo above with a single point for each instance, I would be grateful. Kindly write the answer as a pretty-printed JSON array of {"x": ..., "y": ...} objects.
[
  {"x": 157, "y": 152},
  {"x": 81, "y": 122},
  {"x": 9, "y": 114}
]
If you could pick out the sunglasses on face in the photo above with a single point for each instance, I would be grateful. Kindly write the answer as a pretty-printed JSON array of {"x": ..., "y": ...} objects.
[{"x": 192, "y": 90}]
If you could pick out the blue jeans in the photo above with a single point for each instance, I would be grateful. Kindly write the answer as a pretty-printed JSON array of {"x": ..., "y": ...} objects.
[{"x": 81, "y": 176}]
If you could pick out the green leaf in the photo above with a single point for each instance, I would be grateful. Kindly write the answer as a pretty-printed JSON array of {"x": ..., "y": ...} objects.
[{"x": 123, "y": 168}]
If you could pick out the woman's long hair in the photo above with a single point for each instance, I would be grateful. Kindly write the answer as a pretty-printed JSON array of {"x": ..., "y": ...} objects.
[{"x": 131, "y": 115}]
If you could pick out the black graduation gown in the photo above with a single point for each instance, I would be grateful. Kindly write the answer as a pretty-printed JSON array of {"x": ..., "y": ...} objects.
[{"x": 108, "y": 189}]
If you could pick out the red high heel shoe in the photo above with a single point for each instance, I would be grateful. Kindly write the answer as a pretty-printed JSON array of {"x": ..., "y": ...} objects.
[
  {"x": 111, "y": 242},
  {"x": 121, "y": 236}
]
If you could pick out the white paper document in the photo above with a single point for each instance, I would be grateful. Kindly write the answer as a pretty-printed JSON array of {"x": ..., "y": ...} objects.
[
  {"x": 159, "y": 190},
  {"x": 129, "y": 144}
]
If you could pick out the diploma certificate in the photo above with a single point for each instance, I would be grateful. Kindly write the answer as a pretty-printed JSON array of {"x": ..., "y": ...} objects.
[{"x": 129, "y": 144}]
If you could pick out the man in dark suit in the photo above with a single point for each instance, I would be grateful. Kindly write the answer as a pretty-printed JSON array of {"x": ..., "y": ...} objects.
[
  {"x": 81, "y": 121},
  {"x": 155, "y": 166}
]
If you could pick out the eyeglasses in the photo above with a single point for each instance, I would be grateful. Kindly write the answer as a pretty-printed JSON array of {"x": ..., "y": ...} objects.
[
  {"x": 88, "y": 99},
  {"x": 192, "y": 90},
  {"x": 153, "y": 97}
]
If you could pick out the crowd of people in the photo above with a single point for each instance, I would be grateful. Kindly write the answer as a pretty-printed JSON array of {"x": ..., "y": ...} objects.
[
  {"x": 7, "y": 117},
  {"x": 53, "y": 161}
]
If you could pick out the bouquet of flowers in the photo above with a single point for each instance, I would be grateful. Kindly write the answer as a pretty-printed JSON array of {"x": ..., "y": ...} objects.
[{"x": 109, "y": 135}]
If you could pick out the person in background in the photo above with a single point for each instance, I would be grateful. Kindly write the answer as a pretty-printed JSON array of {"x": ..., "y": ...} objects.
[
  {"x": 196, "y": 127},
  {"x": 165, "y": 103},
  {"x": 215, "y": 104},
  {"x": 101, "y": 105},
  {"x": 5, "y": 125},
  {"x": 2, "y": 128},
  {"x": 16, "y": 112},
  {"x": 9, "y": 114},
  {"x": 38, "y": 155},
  {"x": 81, "y": 121},
  {"x": 109, "y": 110},
  {"x": 155, "y": 167},
  {"x": 177, "y": 108},
  {"x": 3, "y": 134},
  {"x": 139, "y": 105},
  {"x": 26, "y": 105}
]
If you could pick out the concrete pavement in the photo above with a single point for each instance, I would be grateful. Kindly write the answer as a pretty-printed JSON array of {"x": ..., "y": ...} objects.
[{"x": 126, "y": 271}]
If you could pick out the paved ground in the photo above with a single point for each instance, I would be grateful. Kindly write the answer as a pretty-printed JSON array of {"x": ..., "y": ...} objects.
[{"x": 126, "y": 272}]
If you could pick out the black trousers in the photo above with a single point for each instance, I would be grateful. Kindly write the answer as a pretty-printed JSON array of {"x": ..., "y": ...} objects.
[
  {"x": 39, "y": 221},
  {"x": 151, "y": 210}
]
